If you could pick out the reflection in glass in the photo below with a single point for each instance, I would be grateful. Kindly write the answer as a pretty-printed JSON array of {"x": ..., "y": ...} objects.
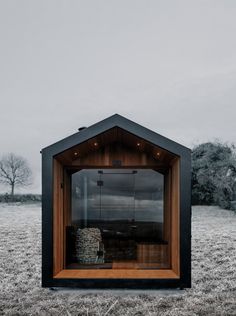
[{"x": 117, "y": 220}]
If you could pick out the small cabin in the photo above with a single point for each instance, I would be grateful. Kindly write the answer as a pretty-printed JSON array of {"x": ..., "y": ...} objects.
[{"x": 116, "y": 209}]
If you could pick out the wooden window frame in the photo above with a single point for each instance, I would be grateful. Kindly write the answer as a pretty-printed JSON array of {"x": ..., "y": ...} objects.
[{"x": 61, "y": 201}]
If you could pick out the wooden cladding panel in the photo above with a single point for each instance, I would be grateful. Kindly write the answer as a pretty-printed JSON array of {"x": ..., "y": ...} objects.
[
  {"x": 167, "y": 213},
  {"x": 58, "y": 234},
  {"x": 66, "y": 206},
  {"x": 118, "y": 154},
  {"x": 111, "y": 137},
  {"x": 175, "y": 217},
  {"x": 153, "y": 253}
]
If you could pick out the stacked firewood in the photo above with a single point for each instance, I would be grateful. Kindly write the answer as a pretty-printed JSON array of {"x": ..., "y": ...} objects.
[{"x": 88, "y": 241}]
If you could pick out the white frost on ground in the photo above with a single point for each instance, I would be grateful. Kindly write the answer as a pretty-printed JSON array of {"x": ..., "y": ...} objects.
[{"x": 213, "y": 262}]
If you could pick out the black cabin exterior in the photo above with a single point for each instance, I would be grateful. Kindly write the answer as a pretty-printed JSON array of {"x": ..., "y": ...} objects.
[{"x": 116, "y": 209}]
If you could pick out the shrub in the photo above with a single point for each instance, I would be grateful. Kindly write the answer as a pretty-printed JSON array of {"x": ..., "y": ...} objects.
[{"x": 214, "y": 174}]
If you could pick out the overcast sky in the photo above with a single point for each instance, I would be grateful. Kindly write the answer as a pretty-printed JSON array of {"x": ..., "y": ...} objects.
[{"x": 168, "y": 65}]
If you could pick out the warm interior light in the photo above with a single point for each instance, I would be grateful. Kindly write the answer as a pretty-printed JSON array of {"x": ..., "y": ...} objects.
[
  {"x": 138, "y": 144},
  {"x": 158, "y": 154},
  {"x": 75, "y": 153},
  {"x": 95, "y": 144}
]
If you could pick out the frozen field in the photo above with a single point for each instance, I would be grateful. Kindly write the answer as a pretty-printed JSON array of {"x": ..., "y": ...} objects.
[{"x": 213, "y": 261}]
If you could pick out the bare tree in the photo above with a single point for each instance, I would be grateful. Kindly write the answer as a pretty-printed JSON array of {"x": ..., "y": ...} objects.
[{"x": 14, "y": 171}]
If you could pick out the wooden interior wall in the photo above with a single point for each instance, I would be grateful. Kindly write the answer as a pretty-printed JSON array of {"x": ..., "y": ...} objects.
[
  {"x": 66, "y": 206},
  {"x": 112, "y": 140},
  {"x": 175, "y": 216},
  {"x": 153, "y": 255},
  {"x": 58, "y": 233},
  {"x": 167, "y": 213}
]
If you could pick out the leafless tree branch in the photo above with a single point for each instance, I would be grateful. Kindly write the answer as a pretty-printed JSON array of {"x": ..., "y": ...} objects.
[{"x": 14, "y": 171}]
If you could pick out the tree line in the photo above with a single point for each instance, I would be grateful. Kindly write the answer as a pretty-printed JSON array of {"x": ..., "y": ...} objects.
[{"x": 213, "y": 174}]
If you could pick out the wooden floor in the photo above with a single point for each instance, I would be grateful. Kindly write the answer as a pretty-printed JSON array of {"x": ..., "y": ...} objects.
[{"x": 116, "y": 274}]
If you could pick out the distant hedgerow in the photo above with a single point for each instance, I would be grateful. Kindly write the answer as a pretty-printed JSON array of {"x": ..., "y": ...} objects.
[{"x": 20, "y": 198}]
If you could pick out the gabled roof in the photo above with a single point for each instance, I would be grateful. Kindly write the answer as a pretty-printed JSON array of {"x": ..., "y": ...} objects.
[{"x": 116, "y": 120}]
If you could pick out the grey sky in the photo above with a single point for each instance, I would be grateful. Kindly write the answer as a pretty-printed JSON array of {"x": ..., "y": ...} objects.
[{"x": 168, "y": 65}]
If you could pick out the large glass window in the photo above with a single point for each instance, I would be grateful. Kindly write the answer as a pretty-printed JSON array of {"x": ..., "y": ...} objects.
[{"x": 117, "y": 220}]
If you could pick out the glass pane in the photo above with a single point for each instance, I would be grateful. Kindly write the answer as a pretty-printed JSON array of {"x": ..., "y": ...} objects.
[{"x": 117, "y": 220}]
